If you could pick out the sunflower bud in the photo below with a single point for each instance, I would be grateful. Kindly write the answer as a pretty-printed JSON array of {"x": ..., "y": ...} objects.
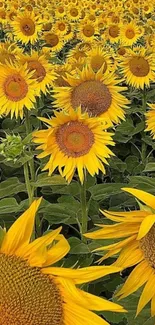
[{"x": 11, "y": 147}]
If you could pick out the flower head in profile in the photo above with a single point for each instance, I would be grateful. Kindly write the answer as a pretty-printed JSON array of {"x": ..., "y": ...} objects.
[
  {"x": 33, "y": 290},
  {"x": 135, "y": 231},
  {"x": 74, "y": 141}
]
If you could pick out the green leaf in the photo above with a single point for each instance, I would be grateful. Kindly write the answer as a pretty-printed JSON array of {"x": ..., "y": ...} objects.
[
  {"x": 77, "y": 247},
  {"x": 9, "y": 205},
  {"x": 150, "y": 167},
  {"x": 104, "y": 191},
  {"x": 11, "y": 186},
  {"x": 45, "y": 180},
  {"x": 130, "y": 304}
]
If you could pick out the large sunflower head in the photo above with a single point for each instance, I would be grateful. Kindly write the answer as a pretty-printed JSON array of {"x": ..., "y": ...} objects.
[
  {"x": 136, "y": 247},
  {"x": 74, "y": 141},
  {"x": 34, "y": 293},
  {"x": 96, "y": 93},
  {"x": 138, "y": 67},
  {"x": 26, "y": 27},
  {"x": 42, "y": 70},
  {"x": 17, "y": 90}
]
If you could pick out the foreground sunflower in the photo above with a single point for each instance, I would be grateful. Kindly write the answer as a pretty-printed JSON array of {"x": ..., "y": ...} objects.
[
  {"x": 32, "y": 293},
  {"x": 136, "y": 231},
  {"x": 74, "y": 141},
  {"x": 97, "y": 93},
  {"x": 17, "y": 90}
]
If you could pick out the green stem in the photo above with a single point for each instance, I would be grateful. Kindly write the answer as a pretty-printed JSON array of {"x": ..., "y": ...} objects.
[
  {"x": 144, "y": 99},
  {"x": 84, "y": 209},
  {"x": 28, "y": 131},
  {"x": 27, "y": 182}
]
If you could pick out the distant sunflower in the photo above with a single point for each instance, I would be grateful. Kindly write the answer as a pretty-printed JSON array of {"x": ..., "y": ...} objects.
[
  {"x": 53, "y": 40},
  {"x": 98, "y": 58},
  {"x": 87, "y": 31},
  {"x": 74, "y": 12},
  {"x": 42, "y": 70},
  {"x": 113, "y": 33},
  {"x": 61, "y": 27},
  {"x": 74, "y": 141},
  {"x": 26, "y": 27},
  {"x": 129, "y": 34},
  {"x": 96, "y": 93},
  {"x": 136, "y": 247},
  {"x": 8, "y": 52},
  {"x": 17, "y": 90},
  {"x": 33, "y": 291},
  {"x": 150, "y": 120},
  {"x": 138, "y": 67}
]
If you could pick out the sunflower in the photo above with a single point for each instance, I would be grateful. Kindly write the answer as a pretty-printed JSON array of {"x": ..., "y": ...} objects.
[
  {"x": 53, "y": 40},
  {"x": 42, "y": 70},
  {"x": 8, "y": 52},
  {"x": 87, "y": 31},
  {"x": 150, "y": 120},
  {"x": 61, "y": 71},
  {"x": 74, "y": 141},
  {"x": 17, "y": 90},
  {"x": 98, "y": 57},
  {"x": 73, "y": 13},
  {"x": 113, "y": 33},
  {"x": 138, "y": 67},
  {"x": 34, "y": 293},
  {"x": 61, "y": 27},
  {"x": 97, "y": 93},
  {"x": 26, "y": 27},
  {"x": 129, "y": 34},
  {"x": 136, "y": 229}
]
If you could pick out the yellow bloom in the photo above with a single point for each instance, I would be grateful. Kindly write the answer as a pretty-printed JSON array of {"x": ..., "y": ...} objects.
[
  {"x": 150, "y": 120},
  {"x": 42, "y": 70},
  {"x": 17, "y": 90},
  {"x": 138, "y": 67},
  {"x": 53, "y": 41},
  {"x": 34, "y": 293},
  {"x": 74, "y": 141},
  {"x": 129, "y": 34},
  {"x": 136, "y": 247},
  {"x": 96, "y": 93},
  {"x": 26, "y": 27}
]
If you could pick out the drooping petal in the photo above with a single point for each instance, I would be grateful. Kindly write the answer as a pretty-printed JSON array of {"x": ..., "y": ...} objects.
[
  {"x": 143, "y": 196},
  {"x": 20, "y": 232}
]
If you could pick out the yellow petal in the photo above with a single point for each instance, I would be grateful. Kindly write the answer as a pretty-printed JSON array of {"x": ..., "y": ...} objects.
[
  {"x": 82, "y": 275},
  {"x": 145, "y": 226},
  {"x": 147, "y": 293},
  {"x": 143, "y": 196},
  {"x": 74, "y": 314},
  {"x": 58, "y": 251},
  {"x": 20, "y": 232},
  {"x": 153, "y": 306}
]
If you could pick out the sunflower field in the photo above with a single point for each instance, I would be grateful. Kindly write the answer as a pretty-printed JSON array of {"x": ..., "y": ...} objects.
[{"x": 77, "y": 162}]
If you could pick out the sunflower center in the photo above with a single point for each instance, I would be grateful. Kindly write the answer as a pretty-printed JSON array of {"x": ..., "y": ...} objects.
[
  {"x": 75, "y": 139},
  {"x": 93, "y": 96},
  {"x": 121, "y": 51},
  {"x": 74, "y": 12},
  {"x": 147, "y": 245},
  {"x": 114, "y": 31},
  {"x": 61, "y": 27},
  {"x": 130, "y": 33},
  {"x": 88, "y": 30},
  {"x": 52, "y": 39},
  {"x": 139, "y": 66},
  {"x": 27, "y": 26},
  {"x": 97, "y": 61},
  {"x": 15, "y": 87},
  {"x": 28, "y": 297},
  {"x": 39, "y": 71}
]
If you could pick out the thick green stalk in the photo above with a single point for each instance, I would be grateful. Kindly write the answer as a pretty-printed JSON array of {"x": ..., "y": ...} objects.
[
  {"x": 84, "y": 223},
  {"x": 27, "y": 182}
]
